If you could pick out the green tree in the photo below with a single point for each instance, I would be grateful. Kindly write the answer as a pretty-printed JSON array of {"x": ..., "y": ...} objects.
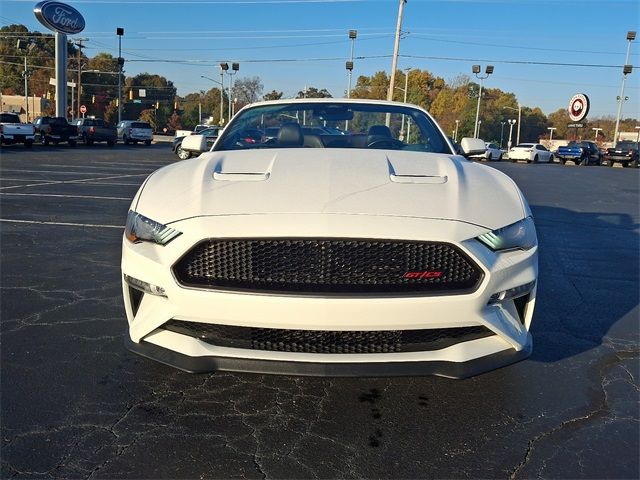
[
  {"x": 273, "y": 95},
  {"x": 313, "y": 92}
]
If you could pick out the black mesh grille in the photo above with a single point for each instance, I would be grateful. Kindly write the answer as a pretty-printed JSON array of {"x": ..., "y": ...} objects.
[
  {"x": 328, "y": 266},
  {"x": 320, "y": 341}
]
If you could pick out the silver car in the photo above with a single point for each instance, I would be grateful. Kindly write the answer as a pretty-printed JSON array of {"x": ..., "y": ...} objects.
[{"x": 134, "y": 131}]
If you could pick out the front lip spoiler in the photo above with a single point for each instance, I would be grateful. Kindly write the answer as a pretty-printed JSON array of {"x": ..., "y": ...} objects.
[{"x": 207, "y": 364}]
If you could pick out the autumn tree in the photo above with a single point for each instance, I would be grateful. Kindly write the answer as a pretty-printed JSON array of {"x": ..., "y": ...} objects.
[
  {"x": 273, "y": 95},
  {"x": 313, "y": 92}
]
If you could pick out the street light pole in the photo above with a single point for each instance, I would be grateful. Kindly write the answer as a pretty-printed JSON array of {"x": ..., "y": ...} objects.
[
  {"x": 352, "y": 36},
  {"x": 476, "y": 70},
  {"x": 26, "y": 46},
  {"x": 631, "y": 36},
  {"x": 224, "y": 67},
  {"x": 455, "y": 134},
  {"x": 596, "y": 135},
  {"x": 232, "y": 104},
  {"x": 79, "y": 44},
  {"x": 551, "y": 130},
  {"x": 502, "y": 133},
  {"x": 512, "y": 122},
  {"x": 120, "y": 33}
]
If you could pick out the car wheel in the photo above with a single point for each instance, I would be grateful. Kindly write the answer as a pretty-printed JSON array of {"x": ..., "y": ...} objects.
[
  {"x": 147, "y": 142},
  {"x": 551, "y": 159},
  {"x": 72, "y": 143},
  {"x": 85, "y": 140},
  {"x": 125, "y": 140},
  {"x": 500, "y": 158},
  {"x": 28, "y": 143},
  {"x": 563, "y": 161},
  {"x": 182, "y": 154},
  {"x": 536, "y": 159},
  {"x": 625, "y": 164},
  {"x": 45, "y": 141},
  {"x": 634, "y": 164},
  {"x": 111, "y": 143}
]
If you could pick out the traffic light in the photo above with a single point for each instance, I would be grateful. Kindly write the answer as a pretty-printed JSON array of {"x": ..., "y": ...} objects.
[{"x": 130, "y": 94}]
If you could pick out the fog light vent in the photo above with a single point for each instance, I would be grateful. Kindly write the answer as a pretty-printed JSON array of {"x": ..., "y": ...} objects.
[
  {"x": 512, "y": 293},
  {"x": 144, "y": 286}
]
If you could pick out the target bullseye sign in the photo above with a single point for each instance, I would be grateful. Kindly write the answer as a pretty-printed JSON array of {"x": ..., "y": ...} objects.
[{"x": 578, "y": 107}]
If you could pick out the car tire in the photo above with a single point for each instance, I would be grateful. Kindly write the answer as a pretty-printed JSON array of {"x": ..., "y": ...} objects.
[
  {"x": 45, "y": 141},
  {"x": 499, "y": 158},
  {"x": 634, "y": 164},
  {"x": 536, "y": 159},
  {"x": 28, "y": 143},
  {"x": 125, "y": 140},
  {"x": 182, "y": 154},
  {"x": 147, "y": 142},
  {"x": 72, "y": 143},
  {"x": 551, "y": 159},
  {"x": 111, "y": 143},
  {"x": 85, "y": 140},
  {"x": 625, "y": 164}
]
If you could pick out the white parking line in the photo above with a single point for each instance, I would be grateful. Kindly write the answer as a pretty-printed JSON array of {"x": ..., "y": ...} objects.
[
  {"x": 63, "y": 224},
  {"x": 57, "y": 172},
  {"x": 59, "y": 182},
  {"x": 64, "y": 196},
  {"x": 137, "y": 166},
  {"x": 86, "y": 183}
]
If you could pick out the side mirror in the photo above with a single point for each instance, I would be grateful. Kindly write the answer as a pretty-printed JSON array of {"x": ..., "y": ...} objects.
[
  {"x": 195, "y": 143},
  {"x": 473, "y": 146}
]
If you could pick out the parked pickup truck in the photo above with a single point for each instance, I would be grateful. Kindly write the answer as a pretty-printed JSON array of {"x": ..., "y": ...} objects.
[
  {"x": 625, "y": 152},
  {"x": 14, "y": 131},
  {"x": 55, "y": 130},
  {"x": 96, "y": 130},
  {"x": 581, "y": 153}
]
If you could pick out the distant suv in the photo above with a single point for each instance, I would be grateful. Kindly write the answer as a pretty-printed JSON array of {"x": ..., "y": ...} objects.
[
  {"x": 95, "y": 130},
  {"x": 134, "y": 131},
  {"x": 625, "y": 152}
]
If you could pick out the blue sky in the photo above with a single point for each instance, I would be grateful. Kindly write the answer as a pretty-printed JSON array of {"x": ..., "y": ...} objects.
[{"x": 293, "y": 43}]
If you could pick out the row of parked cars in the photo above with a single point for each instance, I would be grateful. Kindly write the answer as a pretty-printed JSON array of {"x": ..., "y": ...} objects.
[
  {"x": 580, "y": 153},
  {"x": 55, "y": 130}
]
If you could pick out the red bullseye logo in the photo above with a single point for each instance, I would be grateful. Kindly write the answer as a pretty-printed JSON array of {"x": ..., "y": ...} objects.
[{"x": 578, "y": 107}]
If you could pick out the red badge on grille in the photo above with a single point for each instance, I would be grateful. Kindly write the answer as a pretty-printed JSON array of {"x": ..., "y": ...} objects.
[{"x": 423, "y": 274}]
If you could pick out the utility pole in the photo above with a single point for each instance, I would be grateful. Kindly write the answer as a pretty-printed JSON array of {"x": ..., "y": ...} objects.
[
  {"x": 396, "y": 51},
  {"x": 120, "y": 33},
  {"x": 352, "y": 36}
]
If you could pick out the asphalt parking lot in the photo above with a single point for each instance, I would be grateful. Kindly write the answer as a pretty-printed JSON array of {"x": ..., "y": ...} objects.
[{"x": 76, "y": 404}]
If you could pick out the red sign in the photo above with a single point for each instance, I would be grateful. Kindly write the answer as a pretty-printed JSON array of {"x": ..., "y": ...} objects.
[
  {"x": 578, "y": 107},
  {"x": 83, "y": 109}
]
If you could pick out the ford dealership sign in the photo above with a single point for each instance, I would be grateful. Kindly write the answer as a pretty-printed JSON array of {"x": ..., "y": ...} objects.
[{"x": 59, "y": 17}]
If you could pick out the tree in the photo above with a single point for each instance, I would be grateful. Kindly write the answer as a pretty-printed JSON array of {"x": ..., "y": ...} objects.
[
  {"x": 173, "y": 123},
  {"x": 247, "y": 90},
  {"x": 273, "y": 95},
  {"x": 313, "y": 92}
]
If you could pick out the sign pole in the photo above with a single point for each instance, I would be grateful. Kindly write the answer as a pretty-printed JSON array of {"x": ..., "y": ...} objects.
[{"x": 61, "y": 74}]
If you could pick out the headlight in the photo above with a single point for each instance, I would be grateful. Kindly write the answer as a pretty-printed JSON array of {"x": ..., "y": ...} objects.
[
  {"x": 520, "y": 235},
  {"x": 142, "y": 229}
]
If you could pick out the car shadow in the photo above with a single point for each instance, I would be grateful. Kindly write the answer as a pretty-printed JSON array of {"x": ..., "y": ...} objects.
[{"x": 588, "y": 281}]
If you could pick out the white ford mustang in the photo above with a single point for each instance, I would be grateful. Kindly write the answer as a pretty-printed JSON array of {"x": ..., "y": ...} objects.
[{"x": 349, "y": 241}]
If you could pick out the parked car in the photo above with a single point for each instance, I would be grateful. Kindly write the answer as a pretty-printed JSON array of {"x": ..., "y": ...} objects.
[
  {"x": 581, "y": 153},
  {"x": 493, "y": 152},
  {"x": 530, "y": 152},
  {"x": 210, "y": 135},
  {"x": 12, "y": 130},
  {"x": 135, "y": 131},
  {"x": 55, "y": 130},
  {"x": 299, "y": 257},
  {"x": 92, "y": 130},
  {"x": 625, "y": 153}
]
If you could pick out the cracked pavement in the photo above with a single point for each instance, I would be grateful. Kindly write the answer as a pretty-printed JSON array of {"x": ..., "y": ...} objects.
[{"x": 76, "y": 404}]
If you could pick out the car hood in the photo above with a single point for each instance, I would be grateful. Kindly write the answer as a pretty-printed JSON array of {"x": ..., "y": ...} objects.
[{"x": 332, "y": 181}]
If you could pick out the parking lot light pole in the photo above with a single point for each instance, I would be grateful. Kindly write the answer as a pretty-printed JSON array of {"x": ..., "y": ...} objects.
[
  {"x": 27, "y": 47},
  {"x": 120, "y": 33},
  {"x": 221, "y": 92},
  {"x": 631, "y": 36},
  {"x": 551, "y": 130},
  {"x": 476, "y": 71},
  {"x": 512, "y": 122},
  {"x": 224, "y": 67},
  {"x": 232, "y": 104},
  {"x": 352, "y": 36},
  {"x": 502, "y": 124},
  {"x": 595, "y": 137},
  {"x": 455, "y": 133}
]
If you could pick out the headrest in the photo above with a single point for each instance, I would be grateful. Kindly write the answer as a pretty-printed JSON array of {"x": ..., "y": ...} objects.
[
  {"x": 290, "y": 134},
  {"x": 379, "y": 130}
]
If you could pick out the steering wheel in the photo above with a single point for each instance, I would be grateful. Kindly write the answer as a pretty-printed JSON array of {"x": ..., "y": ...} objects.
[{"x": 386, "y": 141}]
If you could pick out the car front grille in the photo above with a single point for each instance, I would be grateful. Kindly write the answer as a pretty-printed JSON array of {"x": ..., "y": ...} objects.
[
  {"x": 328, "y": 267},
  {"x": 321, "y": 341}
]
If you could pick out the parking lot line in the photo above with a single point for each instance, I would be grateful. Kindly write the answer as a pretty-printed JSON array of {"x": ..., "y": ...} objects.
[
  {"x": 63, "y": 224},
  {"x": 80, "y": 180},
  {"x": 128, "y": 199},
  {"x": 57, "y": 172}
]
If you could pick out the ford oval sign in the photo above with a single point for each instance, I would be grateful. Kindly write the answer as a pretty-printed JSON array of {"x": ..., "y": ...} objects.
[{"x": 59, "y": 17}]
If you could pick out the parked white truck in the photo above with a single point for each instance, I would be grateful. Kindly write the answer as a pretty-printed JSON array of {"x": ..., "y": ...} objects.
[{"x": 14, "y": 131}]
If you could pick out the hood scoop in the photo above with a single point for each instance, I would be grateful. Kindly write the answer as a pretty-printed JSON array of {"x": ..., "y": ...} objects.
[
  {"x": 244, "y": 168},
  {"x": 402, "y": 171}
]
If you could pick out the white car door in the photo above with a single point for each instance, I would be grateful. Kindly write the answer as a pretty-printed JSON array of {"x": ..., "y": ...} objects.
[{"x": 543, "y": 154}]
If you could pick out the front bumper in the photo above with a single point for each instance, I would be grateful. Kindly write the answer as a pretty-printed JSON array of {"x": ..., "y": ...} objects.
[
  {"x": 151, "y": 263},
  {"x": 441, "y": 368}
]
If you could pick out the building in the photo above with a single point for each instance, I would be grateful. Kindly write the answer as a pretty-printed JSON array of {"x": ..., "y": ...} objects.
[{"x": 16, "y": 104}]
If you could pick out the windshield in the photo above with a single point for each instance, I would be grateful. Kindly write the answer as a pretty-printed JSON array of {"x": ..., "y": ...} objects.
[
  {"x": 9, "y": 118},
  {"x": 333, "y": 125},
  {"x": 140, "y": 125}
]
